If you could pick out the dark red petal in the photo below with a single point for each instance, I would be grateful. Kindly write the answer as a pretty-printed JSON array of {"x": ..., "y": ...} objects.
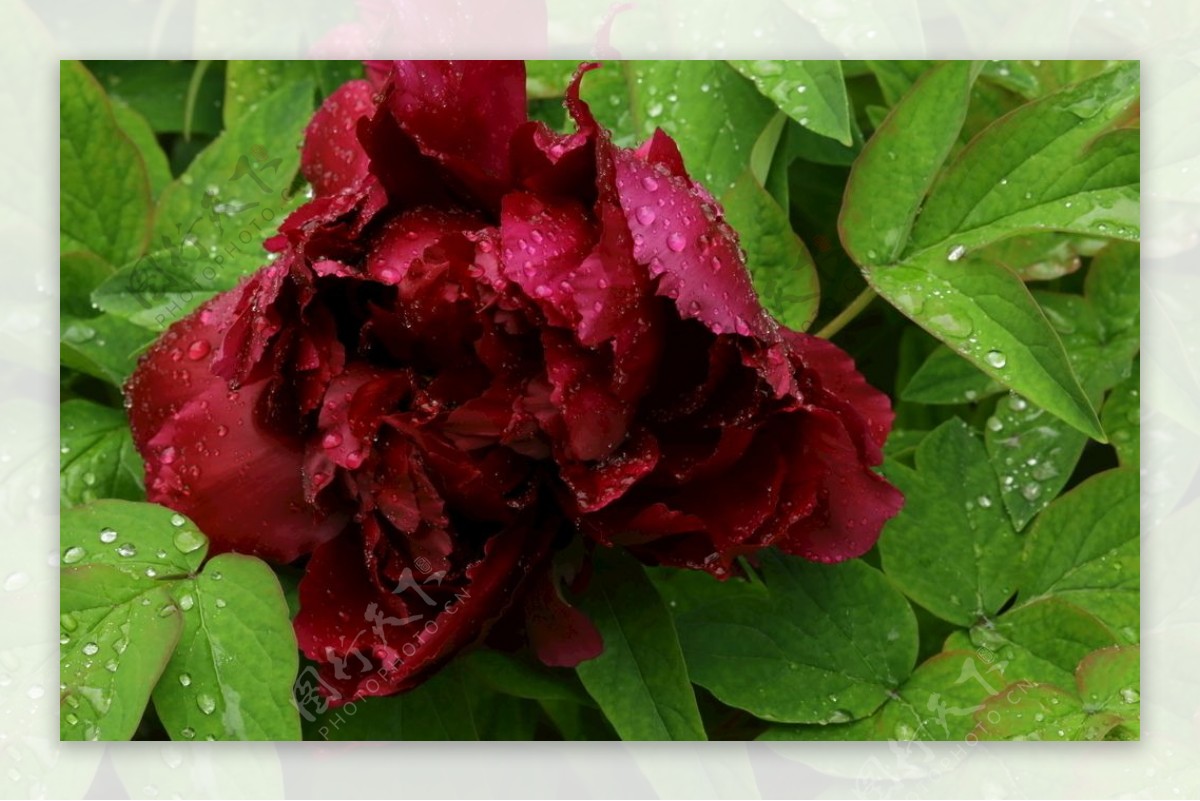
[
  {"x": 865, "y": 411},
  {"x": 560, "y": 634},
  {"x": 347, "y": 623},
  {"x": 853, "y": 502},
  {"x": 206, "y": 446},
  {"x": 462, "y": 114},
  {"x": 679, "y": 233},
  {"x": 332, "y": 159}
]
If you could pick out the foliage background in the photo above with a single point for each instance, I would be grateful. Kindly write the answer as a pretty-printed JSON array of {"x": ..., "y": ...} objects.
[{"x": 1009, "y": 583}]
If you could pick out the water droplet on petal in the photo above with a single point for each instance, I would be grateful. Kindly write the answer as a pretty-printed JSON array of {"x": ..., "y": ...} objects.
[
  {"x": 676, "y": 241},
  {"x": 645, "y": 215},
  {"x": 198, "y": 349},
  {"x": 185, "y": 679}
]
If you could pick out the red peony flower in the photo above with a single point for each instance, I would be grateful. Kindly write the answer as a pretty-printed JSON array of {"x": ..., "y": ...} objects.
[{"x": 482, "y": 342}]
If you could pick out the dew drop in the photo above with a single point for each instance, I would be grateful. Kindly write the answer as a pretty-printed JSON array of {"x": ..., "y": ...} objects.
[
  {"x": 188, "y": 732},
  {"x": 676, "y": 241},
  {"x": 649, "y": 183},
  {"x": 984, "y": 502},
  {"x": 206, "y": 703},
  {"x": 996, "y": 359},
  {"x": 198, "y": 349},
  {"x": 645, "y": 215},
  {"x": 331, "y": 440},
  {"x": 956, "y": 253},
  {"x": 187, "y": 541},
  {"x": 177, "y": 520},
  {"x": 73, "y": 555},
  {"x": 187, "y": 601},
  {"x": 108, "y": 535},
  {"x": 185, "y": 679},
  {"x": 1031, "y": 491},
  {"x": 1129, "y": 695},
  {"x": 90, "y": 649},
  {"x": 127, "y": 549}
]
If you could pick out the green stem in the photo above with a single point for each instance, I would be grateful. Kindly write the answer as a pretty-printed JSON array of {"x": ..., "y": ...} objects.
[
  {"x": 847, "y": 314},
  {"x": 193, "y": 90}
]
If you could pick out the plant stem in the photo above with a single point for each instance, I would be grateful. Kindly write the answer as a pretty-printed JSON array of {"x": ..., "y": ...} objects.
[
  {"x": 193, "y": 91},
  {"x": 847, "y": 314}
]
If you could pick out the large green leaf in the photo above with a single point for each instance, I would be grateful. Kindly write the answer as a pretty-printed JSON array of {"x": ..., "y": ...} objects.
[
  {"x": 947, "y": 378},
  {"x": 441, "y": 708},
  {"x": 104, "y": 189},
  {"x": 937, "y": 702},
  {"x": 116, "y": 633},
  {"x": 713, "y": 113},
  {"x": 134, "y": 125},
  {"x": 1045, "y": 166},
  {"x": 1044, "y": 640},
  {"x": 98, "y": 458},
  {"x": 104, "y": 347},
  {"x": 1084, "y": 548},
  {"x": 231, "y": 676},
  {"x": 158, "y": 90},
  {"x": 1103, "y": 697},
  {"x": 524, "y": 677},
  {"x": 248, "y": 83},
  {"x": 141, "y": 539},
  {"x": 813, "y": 93},
  {"x": 891, "y": 176},
  {"x": 1052, "y": 165},
  {"x": 211, "y": 222},
  {"x": 951, "y": 548},
  {"x": 827, "y": 644},
  {"x": 639, "y": 681},
  {"x": 780, "y": 265},
  {"x": 1122, "y": 420}
]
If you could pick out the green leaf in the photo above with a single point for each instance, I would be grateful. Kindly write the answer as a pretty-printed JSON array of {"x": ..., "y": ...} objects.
[
  {"x": 211, "y": 222},
  {"x": 1121, "y": 417},
  {"x": 780, "y": 265},
  {"x": 951, "y": 548},
  {"x": 639, "y": 681},
  {"x": 896, "y": 78},
  {"x": 231, "y": 677},
  {"x": 523, "y": 677},
  {"x": 713, "y": 113},
  {"x": 141, "y": 539},
  {"x": 158, "y": 91},
  {"x": 248, "y": 83},
  {"x": 134, "y": 126},
  {"x": 1084, "y": 548},
  {"x": 104, "y": 347},
  {"x": 1034, "y": 455},
  {"x": 440, "y": 708},
  {"x": 104, "y": 190},
  {"x": 947, "y": 378},
  {"x": 937, "y": 702},
  {"x": 985, "y": 313},
  {"x": 1108, "y": 681},
  {"x": 1044, "y": 166},
  {"x": 982, "y": 310},
  {"x": 547, "y": 79},
  {"x": 98, "y": 457},
  {"x": 1028, "y": 711},
  {"x": 1041, "y": 256},
  {"x": 116, "y": 632},
  {"x": 1043, "y": 641},
  {"x": 826, "y": 645},
  {"x": 813, "y": 93},
  {"x": 899, "y": 163}
]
